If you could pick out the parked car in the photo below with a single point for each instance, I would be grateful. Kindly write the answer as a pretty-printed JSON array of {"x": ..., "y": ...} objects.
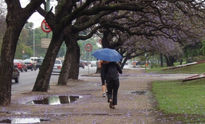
[
  {"x": 82, "y": 64},
  {"x": 24, "y": 67},
  {"x": 30, "y": 64},
  {"x": 140, "y": 63},
  {"x": 15, "y": 74},
  {"x": 57, "y": 66},
  {"x": 34, "y": 58},
  {"x": 93, "y": 63},
  {"x": 20, "y": 65},
  {"x": 86, "y": 63},
  {"x": 39, "y": 61}
]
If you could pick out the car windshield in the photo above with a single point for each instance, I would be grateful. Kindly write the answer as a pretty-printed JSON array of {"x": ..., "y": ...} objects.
[
  {"x": 27, "y": 62},
  {"x": 40, "y": 60},
  {"x": 16, "y": 61},
  {"x": 57, "y": 62}
]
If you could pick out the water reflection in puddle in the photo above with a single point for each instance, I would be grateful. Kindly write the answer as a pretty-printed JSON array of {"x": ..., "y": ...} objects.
[
  {"x": 56, "y": 100},
  {"x": 23, "y": 120}
]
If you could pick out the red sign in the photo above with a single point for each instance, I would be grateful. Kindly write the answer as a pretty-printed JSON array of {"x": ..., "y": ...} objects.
[
  {"x": 100, "y": 41},
  {"x": 45, "y": 27},
  {"x": 88, "y": 47}
]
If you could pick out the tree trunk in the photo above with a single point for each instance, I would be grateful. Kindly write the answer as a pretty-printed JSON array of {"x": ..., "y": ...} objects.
[
  {"x": 6, "y": 64},
  {"x": 43, "y": 78},
  {"x": 107, "y": 36},
  {"x": 161, "y": 60},
  {"x": 75, "y": 61},
  {"x": 70, "y": 67},
  {"x": 170, "y": 60},
  {"x": 181, "y": 61},
  {"x": 124, "y": 62},
  {"x": 62, "y": 80},
  {"x": 15, "y": 21},
  {"x": 60, "y": 29}
]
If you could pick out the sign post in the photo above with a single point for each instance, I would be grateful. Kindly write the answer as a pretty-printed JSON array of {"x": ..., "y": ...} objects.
[
  {"x": 45, "y": 27},
  {"x": 88, "y": 64},
  {"x": 45, "y": 42},
  {"x": 88, "y": 48}
]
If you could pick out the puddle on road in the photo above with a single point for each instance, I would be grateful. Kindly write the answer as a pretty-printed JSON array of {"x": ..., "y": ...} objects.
[
  {"x": 55, "y": 100},
  {"x": 22, "y": 120},
  {"x": 142, "y": 92}
]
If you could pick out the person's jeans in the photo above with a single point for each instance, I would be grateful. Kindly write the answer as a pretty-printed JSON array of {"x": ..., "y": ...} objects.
[{"x": 112, "y": 90}]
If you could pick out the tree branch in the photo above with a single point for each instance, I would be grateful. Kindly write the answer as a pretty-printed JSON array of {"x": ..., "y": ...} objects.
[
  {"x": 32, "y": 6},
  {"x": 91, "y": 21},
  {"x": 49, "y": 16},
  {"x": 100, "y": 8},
  {"x": 113, "y": 7},
  {"x": 13, "y": 4},
  {"x": 90, "y": 34}
]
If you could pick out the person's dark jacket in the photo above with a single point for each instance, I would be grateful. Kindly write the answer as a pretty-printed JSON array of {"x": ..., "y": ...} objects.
[{"x": 111, "y": 71}]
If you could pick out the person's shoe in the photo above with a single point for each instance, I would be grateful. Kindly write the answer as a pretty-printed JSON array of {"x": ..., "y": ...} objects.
[{"x": 110, "y": 105}]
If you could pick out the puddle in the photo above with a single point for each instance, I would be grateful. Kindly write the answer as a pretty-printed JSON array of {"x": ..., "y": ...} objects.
[
  {"x": 142, "y": 92},
  {"x": 23, "y": 120},
  {"x": 55, "y": 100}
]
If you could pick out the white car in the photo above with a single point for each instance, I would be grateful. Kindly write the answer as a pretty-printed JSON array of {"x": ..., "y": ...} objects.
[
  {"x": 57, "y": 66},
  {"x": 93, "y": 63}
]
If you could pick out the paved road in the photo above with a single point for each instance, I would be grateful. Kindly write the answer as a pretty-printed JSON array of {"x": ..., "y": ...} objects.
[{"x": 27, "y": 79}]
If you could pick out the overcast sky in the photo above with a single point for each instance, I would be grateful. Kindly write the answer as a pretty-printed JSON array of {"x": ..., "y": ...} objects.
[{"x": 36, "y": 18}]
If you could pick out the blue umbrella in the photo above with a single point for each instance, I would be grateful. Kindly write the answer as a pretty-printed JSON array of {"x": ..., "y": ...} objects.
[{"x": 107, "y": 54}]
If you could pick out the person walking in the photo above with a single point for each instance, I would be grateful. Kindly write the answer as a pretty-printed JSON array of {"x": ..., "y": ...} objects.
[
  {"x": 111, "y": 72},
  {"x": 102, "y": 74}
]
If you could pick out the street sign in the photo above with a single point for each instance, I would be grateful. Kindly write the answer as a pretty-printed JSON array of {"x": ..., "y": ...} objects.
[
  {"x": 100, "y": 41},
  {"x": 88, "y": 47},
  {"x": 45, "y": 27},
  {"x": 45, "y": 42}
]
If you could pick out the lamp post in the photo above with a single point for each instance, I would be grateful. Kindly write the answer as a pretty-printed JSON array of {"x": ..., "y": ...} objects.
[
  {"x": 47, "y": 9},
  {"x": 34, "y": 43}
]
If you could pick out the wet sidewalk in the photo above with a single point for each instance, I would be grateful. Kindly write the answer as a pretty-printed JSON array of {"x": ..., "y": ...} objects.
[{"x": 135, "y": 103}]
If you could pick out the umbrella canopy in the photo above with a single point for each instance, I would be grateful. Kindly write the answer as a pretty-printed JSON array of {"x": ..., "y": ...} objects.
[{"x": 107, "y": 54}]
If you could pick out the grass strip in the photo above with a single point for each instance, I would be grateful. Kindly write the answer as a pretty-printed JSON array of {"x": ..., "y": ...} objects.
[
  {"x": 193, "y": 69},
  {"x": 175, "y": 97}
]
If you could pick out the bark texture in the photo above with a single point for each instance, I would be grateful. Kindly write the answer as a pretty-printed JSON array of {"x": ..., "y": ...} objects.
[
  {"x": 6, "y": 64},
  {"x": 15, "y": 20},
  {"x": 161, "y": 60},
  {"x": 170, "y": 60},
  {"x": 43, "y": 78},
  {"x": 70, "y": 67},
  {"x": 59, "y": 30},
  {"x": 75, "y": 55},
  {"x": 62, "y": 80}
]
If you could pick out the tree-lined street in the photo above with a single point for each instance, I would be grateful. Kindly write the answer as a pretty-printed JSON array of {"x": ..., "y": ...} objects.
[{"x": 159, "y": 45}]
